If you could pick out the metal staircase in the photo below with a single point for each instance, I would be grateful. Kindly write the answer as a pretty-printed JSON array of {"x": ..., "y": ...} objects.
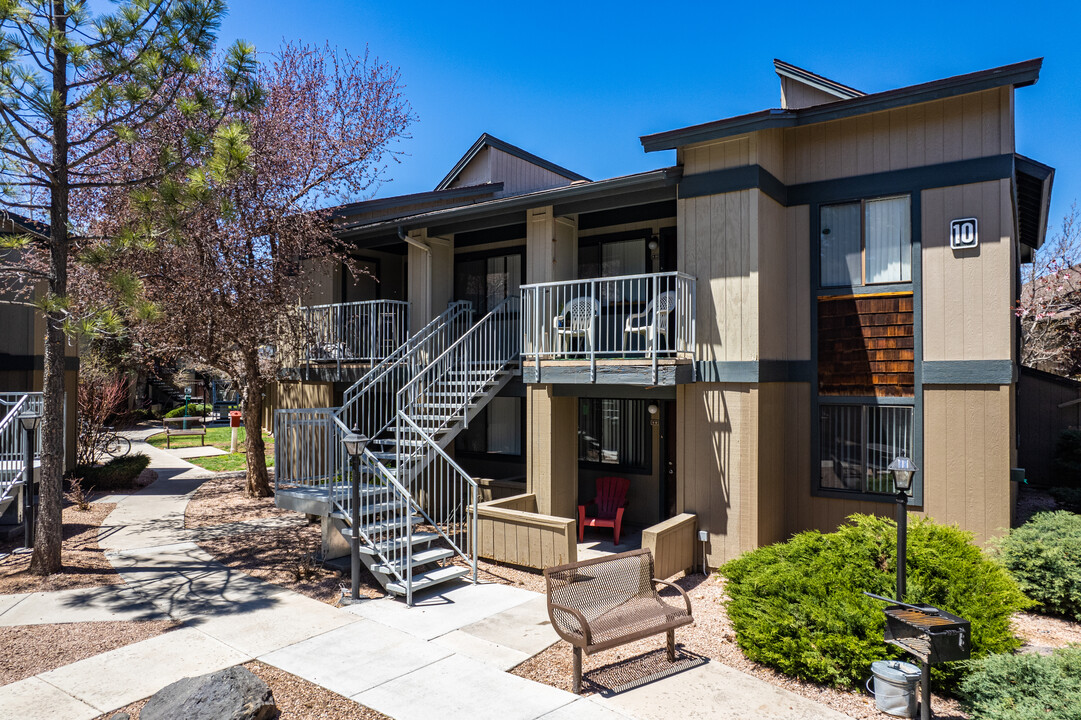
[
  {"x": 12, "y": 443},
  {"x": 416, "y": 508}
]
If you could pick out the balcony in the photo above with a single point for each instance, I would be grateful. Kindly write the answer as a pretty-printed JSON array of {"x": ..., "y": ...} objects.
[
  {"x": 629, "y": 330},
  {"x": 352, "y": 335}
]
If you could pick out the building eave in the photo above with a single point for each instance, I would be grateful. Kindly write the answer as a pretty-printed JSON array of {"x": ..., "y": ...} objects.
[
  {"x": 1018, "y": 75},
  {"x": 486, "y": 140}
]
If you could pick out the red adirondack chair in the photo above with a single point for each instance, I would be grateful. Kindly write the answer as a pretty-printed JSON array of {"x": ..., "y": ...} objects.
[{"x": 610, "y": 501}]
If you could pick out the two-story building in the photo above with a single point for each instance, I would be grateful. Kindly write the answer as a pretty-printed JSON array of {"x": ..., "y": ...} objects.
[{"x": 750, "y": 335}]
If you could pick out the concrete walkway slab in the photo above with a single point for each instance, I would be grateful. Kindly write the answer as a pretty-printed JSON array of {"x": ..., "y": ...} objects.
[
  {"x": 35, "y": 699},
  {"x": 485, "y": 651},
  {"x": 7, "y": 602},
  {"x": 717, "y": 692},
  {"x": 130, "y": 673},
  {"x": 524, "y": 627},
  {"x": 106, "y": 603},
  {"x": 585, "y": 708},
  {"x": 289, "y": 619},
  {"x": 444, "y": 610},
  {"x": 357, "y": 657},
  {"x": 458, "y": 687},
  {"x": 196, "y": 452}
]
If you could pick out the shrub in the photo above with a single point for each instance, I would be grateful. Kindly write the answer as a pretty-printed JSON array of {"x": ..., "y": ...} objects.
[
  {"x": 798, "y": 605},
  {"x": 194, "y": 410},
  {"x": 1068, "y": 498},
  {"x": 1067, "y": 458},
  {"x": 1018, "y": 687},
  {"x": 117, "y": 474},
  {"x": 1044, "y": 555}
]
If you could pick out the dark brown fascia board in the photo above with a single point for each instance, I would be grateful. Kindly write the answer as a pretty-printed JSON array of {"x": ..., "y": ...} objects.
[
  {"x": 468, "y": 191},
  {"x": 26, "y": 225},
  {"x": 831, "y": 87},
  {"x": 1018, "y": 75},
  {"x": 1045, "y": 174},
  {"x": 490, "y": 140},
  {"x": 508, "y": 207}
]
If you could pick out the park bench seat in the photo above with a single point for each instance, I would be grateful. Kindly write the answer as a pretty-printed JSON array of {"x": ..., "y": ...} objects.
[
  {"x": 176, "y": 427},
  {"x": 609, "y": 601}
]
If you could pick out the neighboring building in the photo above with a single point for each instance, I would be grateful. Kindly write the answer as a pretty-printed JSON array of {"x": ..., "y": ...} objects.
[
  {"x": 22, "y": 341},
  {"x": 814, "y": 319}
]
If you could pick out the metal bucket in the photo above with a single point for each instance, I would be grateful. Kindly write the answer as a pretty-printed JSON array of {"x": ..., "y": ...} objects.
[{"x": 895, "y": 687}]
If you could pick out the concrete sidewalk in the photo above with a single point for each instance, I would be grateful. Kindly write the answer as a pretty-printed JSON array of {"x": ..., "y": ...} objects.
[{"x": 444, "y": 658}]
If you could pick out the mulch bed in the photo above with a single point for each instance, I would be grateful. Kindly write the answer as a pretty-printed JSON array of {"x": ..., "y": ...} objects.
[
  {"x": 297, "y": 699},
  {"x": 33, "y": 649},
  {"x": 84, "y": 562},
  {"x": 224, "y": 500}
]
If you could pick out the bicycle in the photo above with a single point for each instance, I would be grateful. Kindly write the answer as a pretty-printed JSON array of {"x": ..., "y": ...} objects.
[{"x": 112, "y": 444}]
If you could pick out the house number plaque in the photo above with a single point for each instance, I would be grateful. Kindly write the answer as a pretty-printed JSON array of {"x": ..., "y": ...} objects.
[{"x": 963, "y": 234}]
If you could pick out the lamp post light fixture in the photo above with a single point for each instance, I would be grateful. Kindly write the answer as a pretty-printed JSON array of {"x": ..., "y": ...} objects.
[
  {"x": 902, "y": 470},
  {"x": 29, "y": 421},
  {"x": 355, "y": 443}
]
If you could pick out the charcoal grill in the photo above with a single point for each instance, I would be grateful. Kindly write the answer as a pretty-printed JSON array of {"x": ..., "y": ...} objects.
[{"x": 930, "y": 635}]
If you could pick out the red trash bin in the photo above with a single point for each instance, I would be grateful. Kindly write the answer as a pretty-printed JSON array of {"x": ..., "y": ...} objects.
[{"x": 234, "y": 418}]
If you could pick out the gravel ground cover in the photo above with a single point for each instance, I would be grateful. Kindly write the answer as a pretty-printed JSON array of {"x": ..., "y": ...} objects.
[
  {"x": 33, "y": 649},
  {"x": 223, "y": 500},
  {"x": 84, "y": 562},
  {"x": 1044, "y": 631},
  {"x": 710, "y": 636},
  {"x": 297, "y": 699}
]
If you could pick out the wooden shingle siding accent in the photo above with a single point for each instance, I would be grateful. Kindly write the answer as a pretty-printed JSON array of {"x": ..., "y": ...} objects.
[
  {"x": 960, "y": 128},
  {"x": 968, "y": 294},
  {"x": 717, "y": 464},
  {"x": 865, "y": 346}
]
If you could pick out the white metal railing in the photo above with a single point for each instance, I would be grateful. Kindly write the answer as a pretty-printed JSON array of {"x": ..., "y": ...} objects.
[
  {"x": 365, "y": 331},
  {"x": 13, "y": 437},
  {"x": 307, "y": 449},
  {"x": 632, "y": 316},
  {"x": 369, "y": 403}
]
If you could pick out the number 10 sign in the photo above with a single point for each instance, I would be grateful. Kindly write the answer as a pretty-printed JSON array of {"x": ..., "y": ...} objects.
[{"x": 963, "y": 234}]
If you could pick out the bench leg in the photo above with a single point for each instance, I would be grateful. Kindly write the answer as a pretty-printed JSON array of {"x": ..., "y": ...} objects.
[
  {"x": 671, "y": 646},
  {"x": 577, "y": 671}
]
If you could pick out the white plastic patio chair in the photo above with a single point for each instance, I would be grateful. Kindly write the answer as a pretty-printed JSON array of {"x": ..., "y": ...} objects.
[
  {"x": 643, "y": 324},
  {"x": 578, "y": 319}
]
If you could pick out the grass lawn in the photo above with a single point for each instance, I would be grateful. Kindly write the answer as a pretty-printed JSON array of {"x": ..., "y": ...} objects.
[{"x": 216, "y": 437}]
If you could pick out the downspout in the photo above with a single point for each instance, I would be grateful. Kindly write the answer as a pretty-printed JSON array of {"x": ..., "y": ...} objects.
[{"x": 415, "y": 243}]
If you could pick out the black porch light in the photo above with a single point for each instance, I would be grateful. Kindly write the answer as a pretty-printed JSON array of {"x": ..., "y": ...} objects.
[
  {"x": 355, "y": 442},
  {"x": 29, "y": 420},
  {"x": 902, "y": 469}
]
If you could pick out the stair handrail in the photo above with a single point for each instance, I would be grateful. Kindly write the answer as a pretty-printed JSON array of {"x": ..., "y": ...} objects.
[
  {"x": 430, "y": 340},
  {"x": 449, "y": 497},
  {"x": 11, "y": 447},
  {"x": 484, "y": 333}
]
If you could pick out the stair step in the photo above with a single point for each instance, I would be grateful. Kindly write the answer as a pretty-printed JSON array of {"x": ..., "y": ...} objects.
[
  {"x": 424, "y": 557},
  {"x": 380, "y": 527},
  {"x": 394, "y": 506},
  {"x": 430, "y": 578},
  {"x": 386, "y": 546}
]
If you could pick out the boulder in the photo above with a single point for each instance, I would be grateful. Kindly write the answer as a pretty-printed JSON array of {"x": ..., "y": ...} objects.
[{"x": 230, "y": 694}]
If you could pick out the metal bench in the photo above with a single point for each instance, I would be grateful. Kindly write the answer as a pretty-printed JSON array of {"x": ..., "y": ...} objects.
[
  {"x": 602, "y": 603},
  {"x": 184, "y": 428}
]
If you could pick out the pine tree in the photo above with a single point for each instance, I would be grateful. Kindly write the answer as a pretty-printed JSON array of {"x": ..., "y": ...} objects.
[{"x": 75, "y": 86}]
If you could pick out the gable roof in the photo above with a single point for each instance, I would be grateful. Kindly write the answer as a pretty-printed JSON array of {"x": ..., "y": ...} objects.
[
  {"x": 24, "y": 224},
  {"x": 1018, "y": 75},
  {"x": 816, "y": 81},
  {"x": 486, "y": 140}
]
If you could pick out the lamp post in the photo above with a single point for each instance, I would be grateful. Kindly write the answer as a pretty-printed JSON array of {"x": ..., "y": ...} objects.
[
  {"x": 355, "y": 443},
  {"x": 29, "y": 421},
  {"x": 902, "y": 469}
]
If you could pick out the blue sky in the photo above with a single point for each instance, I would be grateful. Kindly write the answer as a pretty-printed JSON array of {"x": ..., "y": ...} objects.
[{"x": 577, "y": 83}]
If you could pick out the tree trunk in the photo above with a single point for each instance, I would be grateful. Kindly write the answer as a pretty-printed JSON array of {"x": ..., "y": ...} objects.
[
  {"x": 258, "y": 478},
  {"x": 49, "y": 533}
]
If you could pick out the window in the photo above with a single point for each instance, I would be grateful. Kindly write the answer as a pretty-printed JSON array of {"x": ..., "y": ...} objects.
[
  {"x": 497, "y": 430},
  {"x": 612, "y": 258},
  {"x": 857, "y": 443},
  {"x": 868, "y": 242},
  {"x": 487, "y": 281},
  {"x": 614, "y": 432}
]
